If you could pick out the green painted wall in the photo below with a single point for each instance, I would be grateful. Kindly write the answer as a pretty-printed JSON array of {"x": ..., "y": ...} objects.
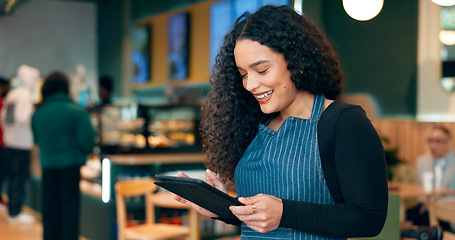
[
  {"x": 110, "y": 41},
  {"x": 379, "y": 56}
]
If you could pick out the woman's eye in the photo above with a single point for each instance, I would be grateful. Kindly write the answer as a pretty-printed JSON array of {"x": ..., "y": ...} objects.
[
  {"x": 243, "y": 75},
  {"x": 262, "y": 72}
]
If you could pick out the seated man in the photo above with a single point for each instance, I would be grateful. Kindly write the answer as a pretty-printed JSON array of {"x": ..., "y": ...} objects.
[{"x": 440, "y": 160}]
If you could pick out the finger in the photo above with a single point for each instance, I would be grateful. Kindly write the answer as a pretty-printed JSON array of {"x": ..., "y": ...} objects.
[
  {"x": 214, "y": 180},
  {"x": 182, "y": 174},
  {"x": 196, "y": 207},
  {"x": 180, "y": 199},
  {"x": 253, "y": 221},
  {"x": 243, "y": 210},
  {"x": 251, "y": 206},
  {"x": 246, "y": 218},
  {"x": 251, "y": 200}
]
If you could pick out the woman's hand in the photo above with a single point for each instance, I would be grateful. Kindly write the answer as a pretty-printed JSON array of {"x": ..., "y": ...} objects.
[
  {"x": 213, "y": 181},
  {"x": 261, "y": 213}
]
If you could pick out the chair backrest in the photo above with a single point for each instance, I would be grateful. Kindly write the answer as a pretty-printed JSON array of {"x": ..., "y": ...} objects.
[
  {"x": 391, "y": 229},
  {"x": 134, "y": 188},
  {"x": 441, "y": 210}
]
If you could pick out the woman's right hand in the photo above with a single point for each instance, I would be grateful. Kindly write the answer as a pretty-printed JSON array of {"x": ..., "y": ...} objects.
[{"x": 213, "y": 181}]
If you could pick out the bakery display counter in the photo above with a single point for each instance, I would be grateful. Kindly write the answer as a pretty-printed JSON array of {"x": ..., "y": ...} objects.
[
  {"x": 146, "y": 129},
  {"x": 164, "y": 158}
]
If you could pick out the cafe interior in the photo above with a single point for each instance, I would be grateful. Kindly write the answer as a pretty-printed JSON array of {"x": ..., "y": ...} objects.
[{"x": 399, "y": 64}]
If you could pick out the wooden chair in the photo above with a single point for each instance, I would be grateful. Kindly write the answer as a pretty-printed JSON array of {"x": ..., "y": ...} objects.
[
  {"x": 150, "y": 229},
  {"x": 444, "y": 211}
]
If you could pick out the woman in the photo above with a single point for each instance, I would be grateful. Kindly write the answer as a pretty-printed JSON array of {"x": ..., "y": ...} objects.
[
  {"x": 305, "y": 166},
  {"x": 64, "y": 134}
]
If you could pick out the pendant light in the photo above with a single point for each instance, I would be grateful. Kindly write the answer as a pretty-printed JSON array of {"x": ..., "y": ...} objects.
[
  {"x": 363, "y": 10},
  {"x": 444, "y": 2}
]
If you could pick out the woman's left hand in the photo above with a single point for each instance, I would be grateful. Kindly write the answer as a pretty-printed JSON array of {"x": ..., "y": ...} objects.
[{"x": 261, "y": 213}]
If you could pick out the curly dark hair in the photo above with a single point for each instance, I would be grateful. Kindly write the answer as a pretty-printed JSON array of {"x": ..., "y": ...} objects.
[{"x": 230, "y": 114}]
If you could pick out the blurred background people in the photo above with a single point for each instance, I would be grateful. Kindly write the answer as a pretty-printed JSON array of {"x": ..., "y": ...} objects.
[
  {"x": 439, "y": 164},
  {"x": 440, "y": 160},
  {"x": 65, "y": 136},
  {"x": 16, "y": 115},
  {"x": 4, "y": 87},
  {"x": 105, "y": 90}
]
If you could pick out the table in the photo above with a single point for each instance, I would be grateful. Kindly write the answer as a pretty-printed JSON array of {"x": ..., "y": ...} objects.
[
  {"x": 413, "y": 190},
  {"x": 408, "y": 191},
  {"x": 165, "y": 199}
]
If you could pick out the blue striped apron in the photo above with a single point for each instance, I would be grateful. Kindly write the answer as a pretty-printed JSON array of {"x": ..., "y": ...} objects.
[{"x": 285, "y": 164}]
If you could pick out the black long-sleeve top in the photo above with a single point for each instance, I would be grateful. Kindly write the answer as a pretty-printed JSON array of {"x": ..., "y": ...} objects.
[{"x": 353, "y": 162}]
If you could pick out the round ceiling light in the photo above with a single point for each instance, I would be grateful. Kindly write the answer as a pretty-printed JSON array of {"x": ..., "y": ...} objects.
[
  {"x": 447, "y": 37},
  {"x": 363, "y": 10},
  {"x": 444, "y": 2}
]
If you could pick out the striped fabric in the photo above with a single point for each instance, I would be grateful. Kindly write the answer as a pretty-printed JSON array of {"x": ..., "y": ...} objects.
[{"x": 285, "y": 164}]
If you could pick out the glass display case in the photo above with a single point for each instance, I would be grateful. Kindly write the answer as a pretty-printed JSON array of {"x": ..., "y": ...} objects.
[
  {"x": 147, "y": 129},
  {"x": 175, "y": 128}
]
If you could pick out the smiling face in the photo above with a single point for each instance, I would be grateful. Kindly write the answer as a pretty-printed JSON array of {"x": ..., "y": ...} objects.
[{"x": 265, "y": 75}]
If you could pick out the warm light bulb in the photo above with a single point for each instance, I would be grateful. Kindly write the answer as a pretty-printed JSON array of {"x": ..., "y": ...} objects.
[
  {"x": 444, "y": 2},
  {"x": 363, "y": 10},
  {"x": 447, "y": 37}
]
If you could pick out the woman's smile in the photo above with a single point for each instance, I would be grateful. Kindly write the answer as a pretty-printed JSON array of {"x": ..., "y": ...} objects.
[{"x": 264, "y": 97}]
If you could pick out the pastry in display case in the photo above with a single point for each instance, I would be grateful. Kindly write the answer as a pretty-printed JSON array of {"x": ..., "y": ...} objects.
[
  {"x": 120, "y": 128},
  {"x": 147, "y": 129},
  {"x": 91, "y": 170},
  {"x": 174, "y": 128}
]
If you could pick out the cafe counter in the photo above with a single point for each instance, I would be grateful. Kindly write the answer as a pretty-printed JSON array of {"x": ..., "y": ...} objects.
[{"x": 98, "y": 215}]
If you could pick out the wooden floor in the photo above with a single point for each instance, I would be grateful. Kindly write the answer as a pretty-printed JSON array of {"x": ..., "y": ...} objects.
[{"x": 19, "y": 232}]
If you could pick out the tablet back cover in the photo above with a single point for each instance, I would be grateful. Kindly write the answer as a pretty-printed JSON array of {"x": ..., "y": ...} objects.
[{"x": 206, "y": 197}]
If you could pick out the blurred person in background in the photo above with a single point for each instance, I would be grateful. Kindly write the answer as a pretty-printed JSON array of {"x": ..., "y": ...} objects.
[
  {"x": 105, "y": 90},
  {"x": 16, "y": 115},
  {"x": 105, "y": 87},
  {"x": 4, "y": 88},
  {"x": 65, "y": 136},
  {"x": 439, "y": 162},
  {"x": 440, "y": 159}
]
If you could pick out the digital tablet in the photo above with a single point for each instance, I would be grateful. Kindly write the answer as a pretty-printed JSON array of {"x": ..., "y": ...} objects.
[{"x": 200, "y": 193}]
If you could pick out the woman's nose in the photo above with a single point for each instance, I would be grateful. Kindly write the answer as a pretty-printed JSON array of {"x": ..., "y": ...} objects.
[{"x": 250, "y": 83}]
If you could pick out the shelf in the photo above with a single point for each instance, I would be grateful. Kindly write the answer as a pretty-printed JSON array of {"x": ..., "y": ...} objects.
[{"x": 164, "y": 158}]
